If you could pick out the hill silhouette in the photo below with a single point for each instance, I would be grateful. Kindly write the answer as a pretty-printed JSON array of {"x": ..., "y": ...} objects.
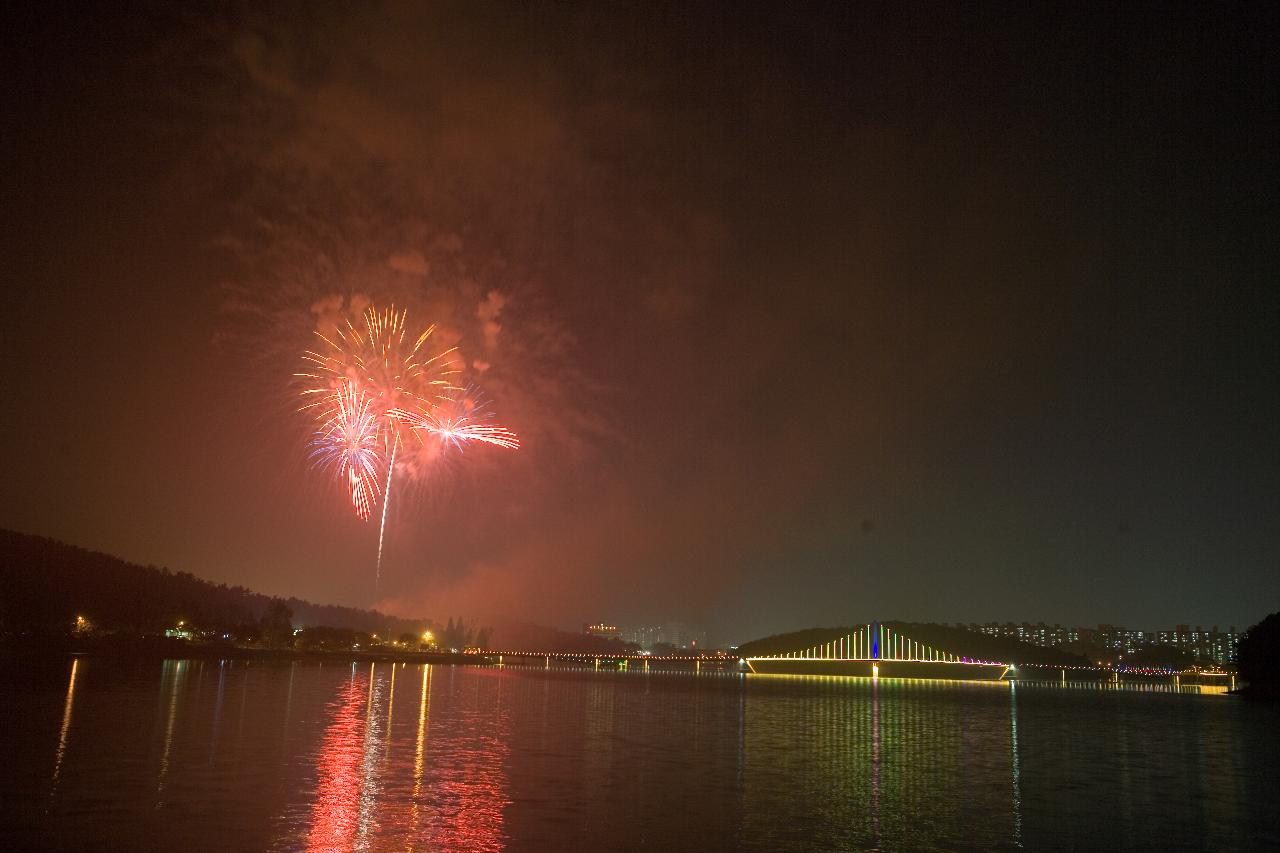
[{"x": 47, "y": 584}]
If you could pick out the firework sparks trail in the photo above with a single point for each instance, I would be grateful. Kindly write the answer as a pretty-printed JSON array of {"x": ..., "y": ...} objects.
[
  {"x": 459, "y": 419},
  {"x": 369, "y": 385},
  {"x": 382, "y": 528}
]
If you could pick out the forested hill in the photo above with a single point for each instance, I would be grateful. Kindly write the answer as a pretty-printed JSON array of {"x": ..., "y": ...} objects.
[
  {"x": 45, "y": 584},
  {"x": 957, "y": 641}
]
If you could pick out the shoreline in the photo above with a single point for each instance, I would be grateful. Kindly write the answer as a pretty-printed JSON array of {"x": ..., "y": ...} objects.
[{"x": 163, "y": 649}]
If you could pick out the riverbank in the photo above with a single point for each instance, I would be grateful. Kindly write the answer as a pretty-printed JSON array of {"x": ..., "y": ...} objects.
[{"x": 160, "y": 648}]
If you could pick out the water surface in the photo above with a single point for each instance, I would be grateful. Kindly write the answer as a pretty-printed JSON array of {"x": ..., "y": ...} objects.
[{"x": 202, "y": 755}]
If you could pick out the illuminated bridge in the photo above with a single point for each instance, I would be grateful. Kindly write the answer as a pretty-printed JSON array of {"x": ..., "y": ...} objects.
[
  {"x": 873, "y": 650},
  {"x": 877, "y": 651}
]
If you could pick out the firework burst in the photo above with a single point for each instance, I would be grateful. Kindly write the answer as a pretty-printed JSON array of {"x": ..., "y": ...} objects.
[
  {"x": 380, "y": 358},
  {"x": 370, "y": 385}
]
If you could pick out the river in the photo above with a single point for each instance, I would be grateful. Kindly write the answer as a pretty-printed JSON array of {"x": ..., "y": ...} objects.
[{"x": 235, "y": 755}]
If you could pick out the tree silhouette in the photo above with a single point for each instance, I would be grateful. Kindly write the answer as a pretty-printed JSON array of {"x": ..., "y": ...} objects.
[
  {"x": 1258, "y": 656},
  {"x": 277, "y": 625}
]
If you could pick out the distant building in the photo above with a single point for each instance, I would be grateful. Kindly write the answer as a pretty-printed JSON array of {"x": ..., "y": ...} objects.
[
  {"x": 675, "y": 634},
  {"x": 1214, "y": 645},
  {"x": 1117, "y": 642},
  {"x": 646, "y": 637},
  {"x": 600, "y": 629},
  {"x": 1038, "y": 634}
]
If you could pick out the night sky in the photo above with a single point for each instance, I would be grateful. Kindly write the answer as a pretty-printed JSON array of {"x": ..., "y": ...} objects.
[{"x": 805, "y": 314}]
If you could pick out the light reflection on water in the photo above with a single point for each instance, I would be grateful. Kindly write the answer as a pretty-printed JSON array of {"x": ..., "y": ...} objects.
[
  {"x": 300, "y": 755},
  {"x": 66, "y": 725},
  {"x": 376, "y": 785}
]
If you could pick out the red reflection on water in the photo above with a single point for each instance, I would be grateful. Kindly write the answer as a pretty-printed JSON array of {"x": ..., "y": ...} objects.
[
  {"x": 442, "y": 788},
  {"x": 470, "y": 800},
  {"x": 335, "y": 815}
]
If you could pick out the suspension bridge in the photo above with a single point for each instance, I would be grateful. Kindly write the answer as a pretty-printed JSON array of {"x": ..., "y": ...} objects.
[{"x": 877, "y": 651}]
